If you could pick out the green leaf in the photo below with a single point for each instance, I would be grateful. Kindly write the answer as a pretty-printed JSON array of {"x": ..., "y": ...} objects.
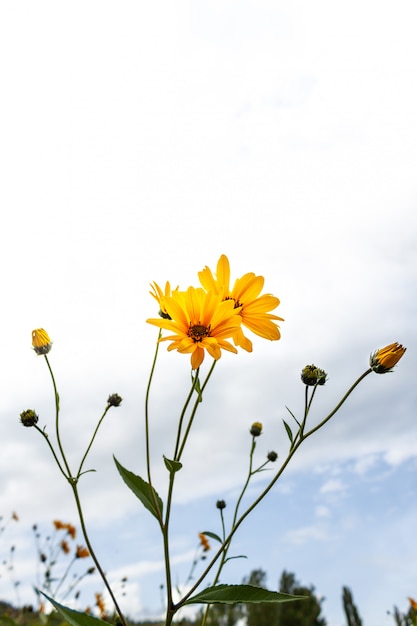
[
  {"x": 293, "y": 416},
  {"x": 289, "y": 432},
  {"x": 172, "y": 466},
  {"x": 235, "y": 594},
  {"x": 75, "y": 618},
  {"x": 239, "y": 556},
  {"x": 212, "y": 536},
  {"x": 142, "y": 490}
]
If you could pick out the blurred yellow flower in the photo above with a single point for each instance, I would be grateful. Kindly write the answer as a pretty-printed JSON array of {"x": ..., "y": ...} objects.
[
  {"x": 81, "y": 553},
  {"x": 253, "y": 307},
  {"x": 64, "y": 546},
  {"x": 160, "y": 296},
  {"x": 385, "y": 359},
  {"x": 40, "y": 341},
  {"x": 413, "y": 603},
  {"x": 199, "y": 321},
  {"x": 205, "y": 544}
]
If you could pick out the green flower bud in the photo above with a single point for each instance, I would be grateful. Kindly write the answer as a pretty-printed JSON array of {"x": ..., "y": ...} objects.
[
  {"x": 256, "y": 429},
  {"x": 114, "y": 400},
  {"x": 29, "y": 418},
  {"x": 312, "y": 375}
]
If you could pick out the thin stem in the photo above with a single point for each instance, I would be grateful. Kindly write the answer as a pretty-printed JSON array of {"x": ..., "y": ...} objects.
[
  {"x": 148, "y": 389},
  {"x": 73, "y": 484},
  {"x": 45, "y": 436},
  {"x": 179, "y": 448},
  {"x": 61, "y": 582},
  {"x": 226, "y": 547},
  {"x": 268, "y": 488},
  {"x": 194, "y": 411},
  {"x": 184, "y": 409},
  {"x": 92, "y": 439},
  {"x": 58, "y": 438}
]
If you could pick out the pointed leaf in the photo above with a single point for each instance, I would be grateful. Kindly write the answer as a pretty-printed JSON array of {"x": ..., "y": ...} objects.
[
  {"x": 239, "y": 556},
  {"x": 212, "y": 536},
  {"x": 235, "y": 594},
  {"x": 289, "y": 432},
  {"x": 171, "y": 465},
  {"x": 293, "y": 416},
  {"x": 75, "y": 618},
  {"x": 142, "y": 490}
]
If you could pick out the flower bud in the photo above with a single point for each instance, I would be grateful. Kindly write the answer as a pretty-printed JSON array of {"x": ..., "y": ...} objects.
[
  {"x": 383, "y": 360},
  {"x": 29, "y": 418},
  {"x": 114, "y": 400},
  {"x": 256, "y": 429},
  {"x": 312, "y": 375},
  {"x": 40, "y": 341},
  {"x": 272, "y": 456},
  {"x": 221, "y": 504}
]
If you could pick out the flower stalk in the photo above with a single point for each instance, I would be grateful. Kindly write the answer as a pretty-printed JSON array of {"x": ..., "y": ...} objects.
[{"x": 208, "y": 319}]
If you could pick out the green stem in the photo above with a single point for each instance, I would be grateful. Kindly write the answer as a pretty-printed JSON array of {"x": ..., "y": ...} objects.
[
  {"x": 73, "y": 483},
  {"x": 58, "y": 438},
  {"x": 184, "y": 409},
  {"x": 268, "y": 488},
  {"x": 226, "y": 547},
  {"x": 179, "y": 448},
  {"x": 63, "y": 578},
  {"x": 147, "y": 432},
  {"x": 194, "y": 411},
  {"x": 45, "y": 436},
  {"x": 148, "y": 389},
  {"x": 92, "y": 439}
]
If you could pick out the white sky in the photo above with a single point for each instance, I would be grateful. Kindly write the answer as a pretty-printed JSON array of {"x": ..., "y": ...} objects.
[{"x": 139, "y": 141}]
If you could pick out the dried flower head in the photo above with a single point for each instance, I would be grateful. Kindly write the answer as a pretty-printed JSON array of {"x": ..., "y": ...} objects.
[
  {"x": 272, "y": 456},
  {"x": 29, "y": 418},
  {"x": 221, "y": 504},
  {"x": 114, "y": 400},
  {"x": 383, "y": 360},
  {"x": 40, "y": 341}
]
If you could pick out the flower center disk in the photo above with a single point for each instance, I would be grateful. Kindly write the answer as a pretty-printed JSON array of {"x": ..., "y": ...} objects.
[{"x": 197, "y": 332}]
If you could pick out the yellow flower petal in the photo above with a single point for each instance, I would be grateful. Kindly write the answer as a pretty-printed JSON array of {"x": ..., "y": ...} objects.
[
  {"x": 199, "y": 321},
  {"x": 254, "y": 309}
]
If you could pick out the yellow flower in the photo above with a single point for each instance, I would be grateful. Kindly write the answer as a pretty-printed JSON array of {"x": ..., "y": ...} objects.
[
  {"x": 385, "y": 359},
  {"x": 64, "y": 546},
  {"x": 160, "y": 296},
  {"x": 205, "y": 544},
  {"x": 413, "y": 603},
  {"x": 254, "y": 308},
  {"x": 81, "y": 552},
  {"x": 199, "y": 321},
  {"x": 40, "y": 341}
]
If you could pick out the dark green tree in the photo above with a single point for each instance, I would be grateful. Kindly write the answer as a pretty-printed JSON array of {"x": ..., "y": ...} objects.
[
  {"x": 350, "y": 609},
  {"x": 405, "y": 619},
  {"x": 220, "y": 615},
  {"x": 263, "y": 614},
  {"x": 305, "y": 612}
]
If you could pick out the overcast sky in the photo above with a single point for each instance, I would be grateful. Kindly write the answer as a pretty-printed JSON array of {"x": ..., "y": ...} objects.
[{"x": 139, "y": 141}]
